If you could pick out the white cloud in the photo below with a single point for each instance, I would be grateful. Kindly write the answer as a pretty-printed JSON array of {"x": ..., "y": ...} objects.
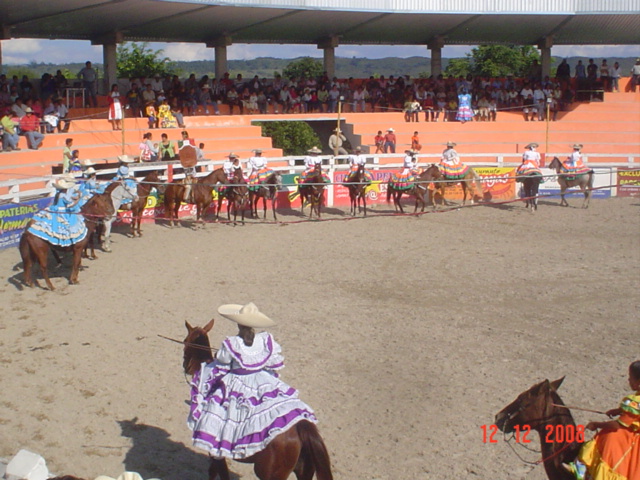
[{"x": 184, "y": 52}]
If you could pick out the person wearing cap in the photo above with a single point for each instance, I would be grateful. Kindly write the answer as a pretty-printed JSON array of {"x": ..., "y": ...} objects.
[
  {"x": 390, "y": 141},
  {"x": 574, "y": 164},
  {"x": 259, "y": 169},
  {"x": 30, "y": 127},
  {"x": 61, "y": 224},
  {"x": 355, "y": 161},
  {"x": 336, "y": 140},
  {"x": 238, "y": 402},
  {"x": 530, "y": 162}
]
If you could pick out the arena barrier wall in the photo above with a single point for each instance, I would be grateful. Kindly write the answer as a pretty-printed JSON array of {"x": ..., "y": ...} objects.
[{"x": 15, "y": 218}]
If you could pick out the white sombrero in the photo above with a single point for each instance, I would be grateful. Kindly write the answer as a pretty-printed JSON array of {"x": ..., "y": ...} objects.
[
  {"x": 125, "y": 159},
  {"x": 247, "y": 315},
  {"x": 63, "y": 183},
  {"x": 90, "y": 171},
  {"x": 532, "y": 145},
  {"x": 577, "y": 146},
  {"x": 451, "y": 144},
  {"x": 314, "y": 150},
  {"x": 88, "y": 163}
]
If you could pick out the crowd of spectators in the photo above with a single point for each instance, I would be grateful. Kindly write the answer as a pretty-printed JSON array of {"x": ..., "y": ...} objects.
[{"x": 433, "y": 99}]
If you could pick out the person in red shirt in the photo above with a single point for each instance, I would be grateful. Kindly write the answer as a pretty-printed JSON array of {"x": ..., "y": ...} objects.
[
  {"x": 390, "y": 141},
  {"x": 379, "y": 141},
  {"x": 30, "y": 128}
]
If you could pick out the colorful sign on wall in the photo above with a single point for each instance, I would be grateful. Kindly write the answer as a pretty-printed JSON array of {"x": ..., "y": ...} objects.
[
  {"x": 628, "y": 182},
  {"x": 14, "y": 219}
]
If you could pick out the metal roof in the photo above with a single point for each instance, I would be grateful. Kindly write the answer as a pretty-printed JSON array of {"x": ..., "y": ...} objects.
[{"x": 387, "y": 22}]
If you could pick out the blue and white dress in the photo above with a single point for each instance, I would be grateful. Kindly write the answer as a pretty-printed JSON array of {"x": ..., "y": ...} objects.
[
  {"x": 60, "y": 224},
  {"x": 238, "y": 403},
  {"x": 88, "y": 188},
  {"x": 465, "y": 113},
  {"x": 123, "y": 175}
]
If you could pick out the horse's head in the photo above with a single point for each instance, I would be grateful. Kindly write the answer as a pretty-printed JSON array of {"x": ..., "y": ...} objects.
[
  {"x": 197, "y": 348},
  {"x": 555, "y": 164},
  {"x": 432, "y": 172},
  {"x": 530, "y": 407},
  {"x": 153, "y": 179}
]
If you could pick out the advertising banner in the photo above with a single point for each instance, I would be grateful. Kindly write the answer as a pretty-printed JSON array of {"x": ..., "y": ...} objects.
[
  {"x": 376, "y": 192},
  {"x": 14, "y": 219},
  {"x": 628, "y": 182},
  {"x": 498, "y": 184}
]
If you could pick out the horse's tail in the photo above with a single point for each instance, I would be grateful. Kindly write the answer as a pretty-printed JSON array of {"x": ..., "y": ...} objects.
[{"x": 314, "y": 452}]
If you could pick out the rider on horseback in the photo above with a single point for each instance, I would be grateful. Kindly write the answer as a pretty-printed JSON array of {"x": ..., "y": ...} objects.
[
  {"x": 259, "y": 170},
  {"x": 530, "y": 162},
  {"x": 574, "y": 164},
  {"x": 357, "y": 160},
  {"x": 311, "y": 162},
  {"x": 450, "y": 164},
  {"x": 123, "y": 175},
  {"x": 238, "y": 403},
  {"x": 88, "y": 185},
  {"x": 188, "y": 160},
  {"x": 231, "y": 165},
  {"x": 61, "y": 223}
]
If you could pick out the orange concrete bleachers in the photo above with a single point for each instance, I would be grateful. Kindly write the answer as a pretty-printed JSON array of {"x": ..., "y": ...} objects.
[{"x": 609, "y": 127}]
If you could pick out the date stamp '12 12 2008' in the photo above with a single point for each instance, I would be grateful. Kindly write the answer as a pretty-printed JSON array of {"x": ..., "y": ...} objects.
[{"x": 552, "y": 433}]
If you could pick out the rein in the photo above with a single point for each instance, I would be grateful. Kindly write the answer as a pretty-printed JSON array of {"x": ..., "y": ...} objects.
[{"x": 187, "y": 344}]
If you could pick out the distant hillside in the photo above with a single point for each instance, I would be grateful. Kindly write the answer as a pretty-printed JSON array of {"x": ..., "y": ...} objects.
[{"x": 267, "y": 66}]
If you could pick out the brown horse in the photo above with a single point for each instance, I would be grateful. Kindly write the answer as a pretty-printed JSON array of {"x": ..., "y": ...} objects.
[
  {"x": 300, "y": 449},
  {"x": 267, "y": 190},
  {"x": 35, "y": 250},
  {"x": 418, "y": 189},
  {"x": 137, "y": 207},
  {"x": 530, "y": 187},
  {"x": 468, "y": 182},
  {"x": 237, "y": 195},
  {"x": 537, "y": 409},
  {"x": 357, "y": 186},
  {"x": 312, "y": 191},
  {"x": 584, "y": 181},
  {"x": 201, "y": 195}
]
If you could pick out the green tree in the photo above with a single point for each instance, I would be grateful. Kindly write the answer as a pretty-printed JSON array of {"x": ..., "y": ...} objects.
[
  {"x": 294, "y": 138},
  {"x": 457, "y": 67},
  {"x": 305, "y": 66},
  {"x": 502, "y": 60},
  {"x": 135, "y": 60}
]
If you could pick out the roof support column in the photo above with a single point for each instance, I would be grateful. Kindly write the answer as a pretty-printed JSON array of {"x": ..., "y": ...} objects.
[
  {"x": 109, "y": 44},
  {"x": 220, "y": 45},
  {"x": 328, "y": 45},
  {"x": 5, "y": 34},
  {"x": 435, "y": 45},
  {"x": 545, "y": 55}
]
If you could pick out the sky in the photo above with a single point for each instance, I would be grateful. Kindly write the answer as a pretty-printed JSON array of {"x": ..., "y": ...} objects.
[{"x": 25, "y": 51}]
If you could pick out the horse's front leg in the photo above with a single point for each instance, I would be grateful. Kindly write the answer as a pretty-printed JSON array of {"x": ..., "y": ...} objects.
[
  {"x": 218, "y": 467},
  {"x": 77, "y": 258},
  {"x": 106, "y": 242}
]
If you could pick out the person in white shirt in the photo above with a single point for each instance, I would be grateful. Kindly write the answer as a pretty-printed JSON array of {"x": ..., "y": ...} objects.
[
  {"x": 410, "y": 162},
  {"x": 310, "y": 162},
  {"x": 539, "y": 99},
  {"x": 615, "y": 72},
  {"x": 530, "y": 158},
  {"x": 259, "y": 169},
  {"x": 355, "y": 161},
  {"x": 231, "y": 165},
  {"x": 574, "y": 162}
]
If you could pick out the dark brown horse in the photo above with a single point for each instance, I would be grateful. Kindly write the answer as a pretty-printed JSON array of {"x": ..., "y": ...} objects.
[
  {"x": 584, "y": 181},
  {"x": 418, "y": 190},
  {"x": 469, "y": 183},
  {"x": 312, "y": 191},
  {"x": 237, "y": 195},
  {"x": 530, "y": 187},
  {"x": 137, "y": 206},
  {"x": 537, "y": 409},
  {"x": 268, "y": 190},
  {"x": 35, "y": 250},
  {"x": 201, "y": 195},
  {"x": 357, "y": 186},
  {"x": 299, "y": 450}
]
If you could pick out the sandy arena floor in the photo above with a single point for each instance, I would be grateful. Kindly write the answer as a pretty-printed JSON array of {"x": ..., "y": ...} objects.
[{"x": 405, "y": 334}]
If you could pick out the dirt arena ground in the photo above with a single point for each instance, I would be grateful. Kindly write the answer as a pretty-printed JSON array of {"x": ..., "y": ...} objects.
[{"x": 405, "y": 334}]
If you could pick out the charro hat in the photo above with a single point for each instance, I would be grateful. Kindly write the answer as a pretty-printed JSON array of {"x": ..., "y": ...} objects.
[
  {"x": 577, "y": 146},
  {"x": 125, "y": 159},
  {"x": 314, "y": 150},
  {"x": 247, "y": 315},
  {"x": 451, "y": 144},
  {"x": 28, "y": 110},
  {"x": 63, "y": 183},
  {"x": 390, "y": 130},
  {"x": 88, "y": 163},
  {"x": 90, "y": 171},
  {"x": 257, "y": 150},
  {"x": 532, "y": 145},
  {"x": 233, "y": 155},
  {"x": 358, "y": 148}
]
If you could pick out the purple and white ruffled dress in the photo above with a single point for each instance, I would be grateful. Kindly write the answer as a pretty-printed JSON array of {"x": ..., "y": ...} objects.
[{"x": 238, "y": 403}]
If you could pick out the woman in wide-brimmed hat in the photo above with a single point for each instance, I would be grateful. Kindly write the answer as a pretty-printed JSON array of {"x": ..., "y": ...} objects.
[
  {"x": 574, "y": 164},
  {"x": 530, "y": 162},
  {"x": 450, "y": 163},
  {"x": 238, "y": 403},
  {"x": 311, "y": 161},
  {"x": 61, "y": 223}
]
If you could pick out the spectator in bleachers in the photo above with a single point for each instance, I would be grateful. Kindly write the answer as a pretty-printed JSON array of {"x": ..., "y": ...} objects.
[
  {"x": 233, "y": 100},
  {"x": 148, "y": 95},
  {"x": 528, "y": 108},
  {"x": 166, "y": 148},
  {"x": 66, "y": 155},
  {"x": 615, "y": 73},
  {"x": 116, "y": 110},
  {"x": 390, "y": 141},
  {"x": 148, "y": 149},
  {"x": 205, "y": 100},
  {"x": 134, "y": 100},
  {"x": 10, "y": 137},
  {"x": 156, "y": 84},
  {"x": 30, "y": 128},
  {"x": 89, "y": 77},
  {"x": 18, "y": 108}
]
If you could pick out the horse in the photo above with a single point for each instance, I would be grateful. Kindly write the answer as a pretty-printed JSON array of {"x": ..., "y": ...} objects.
[
  {"x": 530, "y": 185},
  {"x": 357, "y": 186},
  {"x": 237, "y": 195},
  {"x": 583, "y": 180},
  {"x": 201, "y": 195},
  {"x": 34, "y": 249},
  {"x": 540, "y": 409},
  {"x": 312, "y": 191},
  {"x": 118, "y": 195},
  {"x": 137, "y": 206},
  {"x": 418, "y": 189},
  {"x": 268, "y": 189},
  {"x": 300, "y": 449},
  {"x": 467, "y": 182}
]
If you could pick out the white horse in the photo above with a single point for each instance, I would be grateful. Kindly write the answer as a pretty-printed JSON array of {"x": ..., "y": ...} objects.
[{"x": 125, "y": 191}]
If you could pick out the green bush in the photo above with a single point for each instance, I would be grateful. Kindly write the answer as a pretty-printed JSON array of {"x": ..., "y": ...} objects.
[{"x": 294, "y": 138}]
